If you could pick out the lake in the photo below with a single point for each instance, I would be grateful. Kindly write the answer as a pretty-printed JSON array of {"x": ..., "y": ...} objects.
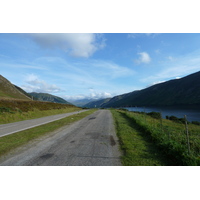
[{"x": 192, "y": 112}]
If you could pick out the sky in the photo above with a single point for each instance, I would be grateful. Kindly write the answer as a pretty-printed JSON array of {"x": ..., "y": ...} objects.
[{"x": 91, "y": 65}]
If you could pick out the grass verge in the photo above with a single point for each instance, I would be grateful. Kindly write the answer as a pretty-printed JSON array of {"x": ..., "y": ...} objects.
[
  {"x": 8, "y": 117},
  {"x": 12, "y": 141},
  {"x": 170, "y": 137},
  {"x": 13, "y": 110},
  {"x": 137, "y": 147}
]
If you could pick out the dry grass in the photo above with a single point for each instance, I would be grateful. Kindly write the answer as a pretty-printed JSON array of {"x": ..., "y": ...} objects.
[{"x": 17, "y": 110}]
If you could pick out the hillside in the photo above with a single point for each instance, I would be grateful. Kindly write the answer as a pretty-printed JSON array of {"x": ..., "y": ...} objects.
[
  {"x": 22, "y": 91},
  {"x": 48, "y": 97},
  {"x": 80, "y": 102},
  {"x": 183, "y": 91},
  {"x": 97, "y": 104},
  {"x": 9, "y": 91}
]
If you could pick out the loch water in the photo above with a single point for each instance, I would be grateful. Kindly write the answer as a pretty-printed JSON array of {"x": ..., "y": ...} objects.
[{"x": 192, "y": 112}]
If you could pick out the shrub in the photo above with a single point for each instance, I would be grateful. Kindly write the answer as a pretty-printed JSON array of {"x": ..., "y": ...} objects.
[
  {"x": 5, "y": 109},
  {"x": 176, "y": 119},
  {"x": 155, "y": 115},
  {"x": 196, "y": 122}
]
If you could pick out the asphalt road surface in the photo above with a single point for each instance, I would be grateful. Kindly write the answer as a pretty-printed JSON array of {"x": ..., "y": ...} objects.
[
  {"x": 7, "y": 129},
  {"x": 91, "y": 141}
]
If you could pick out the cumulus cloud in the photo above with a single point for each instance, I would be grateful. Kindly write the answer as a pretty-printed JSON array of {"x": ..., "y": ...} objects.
[
  {"x": 93, "y": 95},
  {"x": 99, "y": 95},
  {"x": 34, "y": 84},
  {"x": 143, "y": 58},
  {"x": 76, "y": 44}
]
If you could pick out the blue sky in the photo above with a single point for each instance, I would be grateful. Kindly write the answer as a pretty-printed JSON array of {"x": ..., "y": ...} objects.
[{"x": 77, "y": 66}]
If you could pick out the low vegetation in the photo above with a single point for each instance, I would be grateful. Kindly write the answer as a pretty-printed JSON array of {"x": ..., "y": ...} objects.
[
  {"x": 12, "y": 141},
  {"x": 169, "y": 136},
  {"x": 137, "y": 147},
  {"x": 16, "y": 110}
]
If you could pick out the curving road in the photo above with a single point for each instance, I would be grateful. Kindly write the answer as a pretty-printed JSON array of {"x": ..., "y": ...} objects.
[
  {"x": 7, "y": 129},
  {"x": 91, "y": 141}
]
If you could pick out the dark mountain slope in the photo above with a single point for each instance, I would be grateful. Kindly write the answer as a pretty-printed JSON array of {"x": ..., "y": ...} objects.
[
  {"x": 97, "y": 104},
  {"x": 183, "y": 91}
]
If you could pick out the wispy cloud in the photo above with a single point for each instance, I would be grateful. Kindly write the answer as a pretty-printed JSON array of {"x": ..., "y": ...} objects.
[
  {"x": 181, "y": 66},
  {"x": 143, "y": 58},
  {"x": 136, "y": 35},
  {"x": 34, "y": 84},
  {"x": 109, "y": 69},
  {"x": 171, "y": 58},
  {"x": 22, "y": 66}
]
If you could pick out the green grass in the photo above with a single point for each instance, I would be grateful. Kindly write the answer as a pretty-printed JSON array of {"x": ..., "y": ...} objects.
[
  {"x": 12, "y": 141},
  {"x": 13, "y": 110},
  {"x": 170, "y": 138},
  {"x": 137, "y": 147},
  {"x": 9, "y": 117}
]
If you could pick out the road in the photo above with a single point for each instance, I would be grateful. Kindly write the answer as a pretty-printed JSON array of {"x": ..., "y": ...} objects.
[
  {"x": 91, "y": 141},
  {"x": 7, "y": 129}
]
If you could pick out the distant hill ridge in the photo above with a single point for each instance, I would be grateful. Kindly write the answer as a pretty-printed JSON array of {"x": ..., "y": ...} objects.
[
  {"x": 8, "y": 90},
  {"x": 48, "y": 97},
  {"x": 183, "y": 91}
]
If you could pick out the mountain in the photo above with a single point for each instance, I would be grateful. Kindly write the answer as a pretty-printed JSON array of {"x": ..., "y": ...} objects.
[
  {"x": 48, "y": 97},
  {"x": 183, "y": 91},
  {"x": 9, "y": 91},
  {"x": 22, "y": 91},
  {"x": 80, "y": 102},
  {"x": 97, "y": 104}
]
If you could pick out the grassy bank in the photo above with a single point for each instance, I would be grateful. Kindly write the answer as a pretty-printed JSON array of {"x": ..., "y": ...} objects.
[
  {"x": 17, "y": 110},
  {"x": 137, "y": 147},
  {"x": 19, "y": 116},
  {"x": 170, "y": 137},
  {"x": 12, "y": 141}
]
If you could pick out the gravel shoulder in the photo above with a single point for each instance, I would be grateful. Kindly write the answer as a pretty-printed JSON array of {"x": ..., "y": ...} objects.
[{"x": 91, "y": 141}]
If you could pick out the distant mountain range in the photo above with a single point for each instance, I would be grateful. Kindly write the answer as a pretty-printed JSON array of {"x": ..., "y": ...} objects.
[
  {"x": 97, "y": 104},
  {"x": 80, "y": 102},
  {"x": 48, "y": 97},
  {"x": 10, "y": 91},
  {"x": 183, "y": 91}
]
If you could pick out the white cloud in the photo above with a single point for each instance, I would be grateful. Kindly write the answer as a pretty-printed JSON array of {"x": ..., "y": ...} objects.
[
  {"x": 21, "y": 66},
  {"x": 76, "y": 44},
  {"x": 143, "y": 58},
  {"x": 99, "y": 95},
  {"x": 171, "y": 58},
  {"x": 157, "y": 51},
  {"x": 183, "y": 66},
  {"x": 34, "y": 84},
  {"x": 155, "y": 83},
  {"x": 93, "y": 95}
]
